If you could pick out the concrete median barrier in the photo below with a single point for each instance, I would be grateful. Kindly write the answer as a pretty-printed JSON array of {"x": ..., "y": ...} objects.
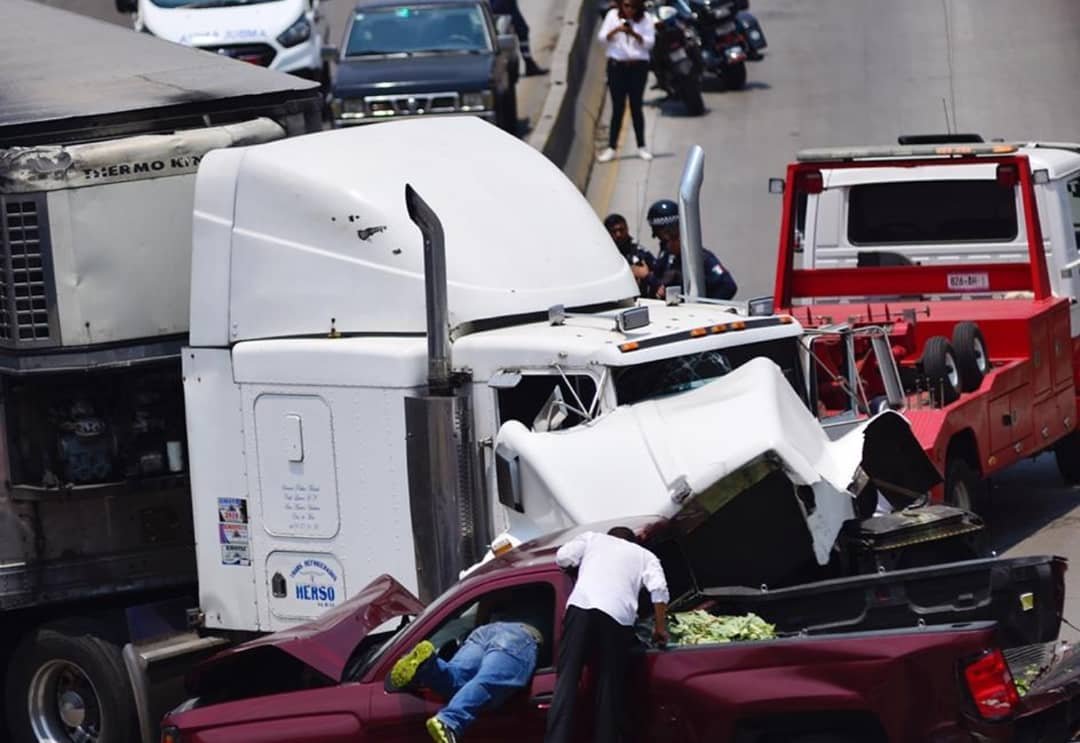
[{"x": 565, "y": 129}]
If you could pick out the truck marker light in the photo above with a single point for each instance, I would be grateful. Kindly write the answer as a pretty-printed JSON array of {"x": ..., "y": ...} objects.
[
  {"x": 786, "y": 319},
  {"x": 698, "y": 332},
  {"x": 718, "y": 329},
  {"x": 991, "y": 685},
  {"x": 501, "y": 546},
  {"x": 631, "y": 346},
  {"x": 738, "y": 325}
]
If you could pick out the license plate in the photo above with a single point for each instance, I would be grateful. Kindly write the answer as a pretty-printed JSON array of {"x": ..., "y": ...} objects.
[
  {"x": 677, "y": 55},
  {"x": 968, "y": 282},
  {"x": 725, "y": 28}
]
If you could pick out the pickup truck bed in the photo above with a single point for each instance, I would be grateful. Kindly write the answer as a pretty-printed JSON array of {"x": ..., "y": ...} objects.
[{"x": 324, "y": 681}]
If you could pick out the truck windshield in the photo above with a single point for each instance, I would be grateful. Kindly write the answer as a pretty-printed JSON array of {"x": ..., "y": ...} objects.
[
  {"x": 668, "y": 376},
  {"x": 931, "y": 212},
  {"x": 418, "y": 30}
]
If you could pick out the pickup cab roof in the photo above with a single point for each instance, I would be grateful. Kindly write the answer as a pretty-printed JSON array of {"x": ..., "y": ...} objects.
[{"x": 68, "y": 77}]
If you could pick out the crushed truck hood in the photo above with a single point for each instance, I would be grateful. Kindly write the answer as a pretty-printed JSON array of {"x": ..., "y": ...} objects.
[{"x": 695, "y": 452}]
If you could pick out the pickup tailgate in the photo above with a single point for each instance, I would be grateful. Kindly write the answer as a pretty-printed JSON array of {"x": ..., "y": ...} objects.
[{"x": 1024, "y": 595}]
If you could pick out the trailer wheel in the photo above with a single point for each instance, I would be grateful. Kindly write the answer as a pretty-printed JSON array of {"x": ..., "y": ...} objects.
[
  {"x": 972, "y": 360},
  {"x": 963, "y": 486},
  {"x": 66, "y": 687},
  {"x": 1067, "y": 454},
  {"x": 939, "y": 365}
]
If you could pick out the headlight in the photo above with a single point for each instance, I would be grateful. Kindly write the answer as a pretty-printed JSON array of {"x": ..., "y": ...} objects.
[
  {"x": 481, "y": 100},
  {"x": 296, "y": 33}
]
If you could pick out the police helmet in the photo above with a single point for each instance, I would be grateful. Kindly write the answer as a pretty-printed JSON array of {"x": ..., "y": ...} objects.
[{"x": 662, "y": 213}]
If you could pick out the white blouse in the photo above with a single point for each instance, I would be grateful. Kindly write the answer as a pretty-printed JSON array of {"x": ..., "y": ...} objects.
[{"x": 623, "y": 46}]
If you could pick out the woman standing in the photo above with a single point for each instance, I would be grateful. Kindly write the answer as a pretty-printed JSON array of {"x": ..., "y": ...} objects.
[{"x": 628, "y": 33}]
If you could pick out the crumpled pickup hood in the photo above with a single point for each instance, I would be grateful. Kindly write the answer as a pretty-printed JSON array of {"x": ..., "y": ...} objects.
[
  {"x": 326, "y": 642},
  {"x": 693, "y": 451}
]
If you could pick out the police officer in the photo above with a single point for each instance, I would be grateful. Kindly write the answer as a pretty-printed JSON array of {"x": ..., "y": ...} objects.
[
  {"x": 641, "y": 261},
  {"x": 663, "y": 217},
  {"x": 521, "y": 28}
]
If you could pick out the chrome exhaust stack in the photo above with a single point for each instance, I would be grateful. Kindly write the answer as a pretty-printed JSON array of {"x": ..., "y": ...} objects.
[
  {"x": 693, "y": 261},
  {"x": 450, "y": 522}
]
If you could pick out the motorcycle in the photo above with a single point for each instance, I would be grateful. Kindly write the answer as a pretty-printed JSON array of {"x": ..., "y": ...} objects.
[
  {"x": 676, "y": 60},
  {"x": 725, "y": 40}
]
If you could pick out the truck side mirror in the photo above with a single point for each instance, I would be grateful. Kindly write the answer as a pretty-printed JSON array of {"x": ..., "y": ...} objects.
[
  {"x": 776, "y": 185},
  {"x": 126, "y": 6}
]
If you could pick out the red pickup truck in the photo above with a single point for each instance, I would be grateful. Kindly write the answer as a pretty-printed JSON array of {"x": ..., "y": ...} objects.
[{"x": 912, "y": 655}]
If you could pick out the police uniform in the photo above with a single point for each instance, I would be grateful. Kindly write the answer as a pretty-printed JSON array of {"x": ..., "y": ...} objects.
[
  {"x": 636, "y": 255},
  {"x": 719, "y": 283}
]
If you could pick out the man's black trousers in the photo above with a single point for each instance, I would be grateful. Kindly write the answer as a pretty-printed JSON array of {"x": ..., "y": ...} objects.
[{"x": 590, "y": 636}]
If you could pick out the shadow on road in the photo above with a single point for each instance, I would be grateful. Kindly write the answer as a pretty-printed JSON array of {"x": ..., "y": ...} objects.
[{"x": 1029, "y": 500}]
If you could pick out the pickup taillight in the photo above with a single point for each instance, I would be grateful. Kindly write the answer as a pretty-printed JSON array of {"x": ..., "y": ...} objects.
[{"x": 991, "y": 686}]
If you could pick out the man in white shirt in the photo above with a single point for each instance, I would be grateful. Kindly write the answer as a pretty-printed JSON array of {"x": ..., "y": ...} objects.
[{"x": 599, "y": 622}]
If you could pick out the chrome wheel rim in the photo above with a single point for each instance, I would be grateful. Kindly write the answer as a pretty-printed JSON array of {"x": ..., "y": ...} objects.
[
  {"x": 63, "y": 704},
  {"x": 980, "y": 356},
  {"x": 961, "y": 496},
  {"x": 951, "y": 372}
]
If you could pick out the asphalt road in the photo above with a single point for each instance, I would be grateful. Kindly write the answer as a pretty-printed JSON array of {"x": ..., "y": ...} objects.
[
  {"x": 544, "y": 18},
  {"x": 843, "y": 72}
]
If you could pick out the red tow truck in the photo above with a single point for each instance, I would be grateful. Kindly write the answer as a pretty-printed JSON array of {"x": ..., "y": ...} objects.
[{"x": 966, "y": 254}]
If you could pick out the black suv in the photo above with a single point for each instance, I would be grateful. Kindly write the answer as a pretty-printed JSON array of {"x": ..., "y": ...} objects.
[{"x": 433, "y": 57}]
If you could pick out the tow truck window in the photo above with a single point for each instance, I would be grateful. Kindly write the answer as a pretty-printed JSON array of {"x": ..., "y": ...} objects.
[
  {"x": 931, "y": 212},
  {"x": 1074, "y": 205},
  {"x": 435, "y": 29},
  {"x": 668, "y": 376}
]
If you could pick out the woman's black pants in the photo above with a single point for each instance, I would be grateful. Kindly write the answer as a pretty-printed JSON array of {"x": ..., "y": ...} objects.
[
  {"x": 626, "y": 80},
  {"x": 590, "y": 636}
]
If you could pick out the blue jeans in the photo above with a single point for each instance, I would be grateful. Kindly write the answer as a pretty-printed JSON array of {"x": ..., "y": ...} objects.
[{"x": 496, "y": 660}]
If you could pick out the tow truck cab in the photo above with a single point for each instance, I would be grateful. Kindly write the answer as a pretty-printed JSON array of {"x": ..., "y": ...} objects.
[{"x": 967, "y": 254}]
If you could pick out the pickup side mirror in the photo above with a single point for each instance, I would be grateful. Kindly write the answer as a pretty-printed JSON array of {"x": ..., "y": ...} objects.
[
  {"x": 126, "y": 6},
  {"x": 776, "y": 185}
]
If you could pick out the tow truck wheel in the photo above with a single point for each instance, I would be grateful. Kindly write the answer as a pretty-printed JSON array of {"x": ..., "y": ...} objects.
[
  {"x": 963, "y": 486},
  {"x": 972, "y": 361},
  {"x": 1067, "y": 454},
  {"x": 65, "y": 687},
  {"x": 941, "y": 370}
]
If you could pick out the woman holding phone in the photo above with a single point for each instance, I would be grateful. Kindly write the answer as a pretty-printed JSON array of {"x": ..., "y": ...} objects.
[{"x": 628, "y": 33}]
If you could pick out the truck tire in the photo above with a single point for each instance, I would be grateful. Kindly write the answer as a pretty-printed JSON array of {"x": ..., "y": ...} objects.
[
  {"x": 1067, "y": 455},
  {"x": 691, "y": 96},
  {"x": 69, "y": 687},
  {"x": 735, "y": 76},
  {"x": 963, "y": 486},
  {"x": 939, "y": 365},
  {"x": 972, "y": 359}
]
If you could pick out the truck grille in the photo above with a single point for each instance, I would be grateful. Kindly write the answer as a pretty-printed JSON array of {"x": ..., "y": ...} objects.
[
  {"x": 258, "y": 54},
  {"x": 424, "y": 103},
  {"x": 24, "y": 291}
]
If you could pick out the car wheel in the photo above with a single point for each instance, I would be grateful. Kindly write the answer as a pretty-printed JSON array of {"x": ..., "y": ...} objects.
[
  {"x": 972, "y": 359},
  {"x": 940, "y": 368},
  {"x": 67, "y": 687}
]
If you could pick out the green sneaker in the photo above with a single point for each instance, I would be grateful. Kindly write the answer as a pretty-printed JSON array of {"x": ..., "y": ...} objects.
[
  {"x": 440, "y": 732},
  {"x": 403, "y": 672}
]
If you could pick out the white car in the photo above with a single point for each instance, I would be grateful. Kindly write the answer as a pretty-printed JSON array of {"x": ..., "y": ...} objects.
[{"x": 283, "y": 35}]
